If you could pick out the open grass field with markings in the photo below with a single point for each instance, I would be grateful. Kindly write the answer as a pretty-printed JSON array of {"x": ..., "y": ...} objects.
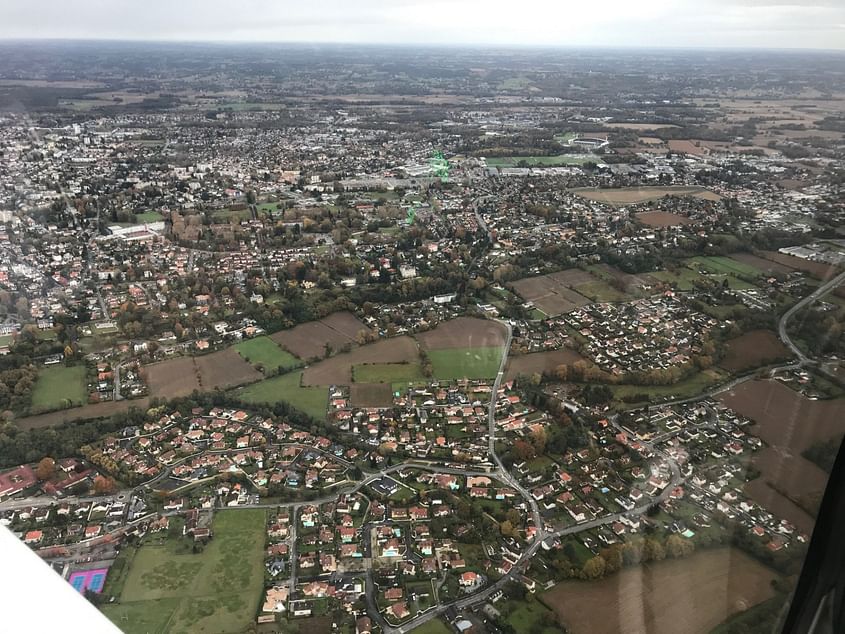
[{"x": 168, "y": 589}]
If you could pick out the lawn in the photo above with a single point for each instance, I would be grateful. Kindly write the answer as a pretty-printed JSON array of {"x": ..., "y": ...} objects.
[
  {"x": 142, "y": 617},
  {"x": 578, "y": 554},
  {"x": 263, "y": 352},
  {"x": 6, "y": 340},
  {"x": 171, "y": 590},
  {"x": 531, "y": 617},
  {"x": 565, "y": 137},
  {"x": 58, "y": 387},
  {"x": 386, "y": 372},
  {"x": 465, "y": 363},
  {"x": 403, "y": 494},
  {"x": 684, "y": 276},
  {"x": 692, "y": 386},
  {"x": 434, "y": 626},
  {"x": 119, "y": 571},
  {"x": 724, "y": 311},
  {"x": 222, "y": 216},
  {"x": 718, "y": 264},
  {"x": 287, "y": 387},
  {"x": 148, "y": 216},
  {"x": 269, "y": 207}
]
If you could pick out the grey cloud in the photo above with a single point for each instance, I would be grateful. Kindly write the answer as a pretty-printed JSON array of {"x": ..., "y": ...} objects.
[{"x": 773, "y": 23}]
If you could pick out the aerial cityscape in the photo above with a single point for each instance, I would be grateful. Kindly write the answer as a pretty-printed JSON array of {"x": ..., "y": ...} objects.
[{"x": 381, "y": 339}]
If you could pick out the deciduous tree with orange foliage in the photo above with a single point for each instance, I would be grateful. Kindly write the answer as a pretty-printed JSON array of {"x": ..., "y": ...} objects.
[
  {"x": 46, "y": 469},
  {"x": 104, "y": 485}
]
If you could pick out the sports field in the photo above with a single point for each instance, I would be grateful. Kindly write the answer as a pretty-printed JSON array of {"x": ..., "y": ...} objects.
[
  {"x": 148, "y": 216},
  {"x": 88, "y": 579},
  {"x": 728, "y": 266},
  {"x": 58, "y": 387},
  {"x": 287, "y": 387},
  {"x": 263, "y": 352},
  {"x": 466, "y": 363},
  {"x": 214, "y": 591}
]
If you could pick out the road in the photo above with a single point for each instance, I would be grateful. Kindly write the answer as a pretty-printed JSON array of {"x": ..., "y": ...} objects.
[
  {"x": 292, "y": 558},
  {"x": 503, "y": 475},
  {"x": 117, "y": 395},
  {"x": 45, "y": 500},
  {"x": 822, "y": 290}
]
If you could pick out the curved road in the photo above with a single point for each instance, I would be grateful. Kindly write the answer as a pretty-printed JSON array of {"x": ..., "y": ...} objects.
[{"x": 822, "y": 290}]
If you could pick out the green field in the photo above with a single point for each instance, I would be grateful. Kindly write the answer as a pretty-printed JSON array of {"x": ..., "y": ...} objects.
[
  {"x": 719, "y": 269},
  {"x": 724, "y": 311},
  {"x": 264, "y": 352},
  {"x": 143, "y": 617},
  {"x": 222, "y": 216},
  {"x": 168, "y": 589},
  {"x": 58, "y": 387},
  {"x": 268, "y": 207},
  {"x": 530, "y": 617},
  {"x": 434, "y": 626},
  {"x": 565, "y": 137},
  {"x": 387, "y": 372},
  {"x": 6, "y": 340},
  {"x": 148, "y": 216},
  {"x": 687, "y": 388},
  {"x": 728, "y": 266},
  {"x": 465, "y": 363},
  {"x": 539, "y": 161},
  {"x": 286, "y": 387},
  {"x": 601, "y": 291}
]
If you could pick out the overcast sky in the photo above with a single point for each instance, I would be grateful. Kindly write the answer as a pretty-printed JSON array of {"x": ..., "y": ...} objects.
[{"x": 685, "y": 23}]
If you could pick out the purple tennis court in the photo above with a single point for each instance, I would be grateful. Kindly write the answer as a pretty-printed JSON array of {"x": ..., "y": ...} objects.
[{"x": 92, "y": 580}]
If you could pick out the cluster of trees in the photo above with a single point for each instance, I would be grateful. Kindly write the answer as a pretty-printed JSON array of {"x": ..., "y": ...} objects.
[
  {"x": 593, "y": 394},
  {"x": 18, "y": 446},
  {"x": 583, "y": 371},
  {"x": 636, "y": 551},
  {"x": 546, "y": 619},
  {"x": 510, "y": 526},
  {"x": 104, "y": 485},
  {"x": 823, "y": 453},
  {"x": 108, "y": 464},
  {"x": 16, "y": 386},
  {"x": 822, "y": 331},
  {"x": 532, "y": 446},
  {"x": 559, "y": 438}
]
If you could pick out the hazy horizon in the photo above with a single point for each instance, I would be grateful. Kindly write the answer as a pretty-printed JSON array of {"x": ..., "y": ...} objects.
[
  {"x": 692, "y": 24},
  {"x": 421, "y": 45}
]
